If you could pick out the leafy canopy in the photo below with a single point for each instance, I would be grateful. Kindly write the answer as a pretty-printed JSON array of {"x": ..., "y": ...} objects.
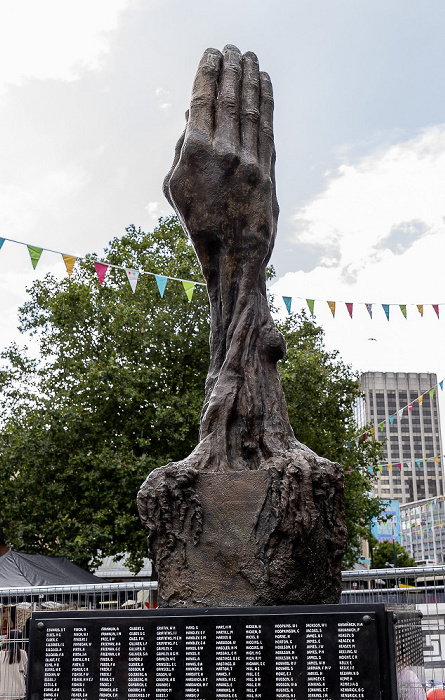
[
  {"x": 384, "y": 553},
  {"x": 118, "y": 390}
]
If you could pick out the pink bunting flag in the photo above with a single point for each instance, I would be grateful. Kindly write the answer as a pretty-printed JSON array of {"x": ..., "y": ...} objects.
[
  {"x": 410, "y": 407},
  {"x": 349, "y": 306},
  {"x": 101, "y": 270},
  {"x": 436, "y": 309}
]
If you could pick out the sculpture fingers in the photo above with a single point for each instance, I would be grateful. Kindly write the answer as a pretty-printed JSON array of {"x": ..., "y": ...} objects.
[
  {"x": 250, "y": 105},
  {"x": 202, "y": 105},
  {"x": 266, "y": 142},
  {"x": 227, "y": 131}
]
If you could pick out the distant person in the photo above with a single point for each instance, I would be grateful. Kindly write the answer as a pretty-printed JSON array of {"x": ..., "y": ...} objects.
[{"x": 13, "y": 668}]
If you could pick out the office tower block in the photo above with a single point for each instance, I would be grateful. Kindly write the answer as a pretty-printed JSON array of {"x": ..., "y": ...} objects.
[{"x": 403, "y": 409}]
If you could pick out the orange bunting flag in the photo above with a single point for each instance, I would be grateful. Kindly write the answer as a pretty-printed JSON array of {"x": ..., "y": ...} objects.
[
  {"x": 331, "y": 305},
  {"x": 69, "y": 261},
  {"x": 349, "y": 307},
  {"x": 420, "y": 307}
]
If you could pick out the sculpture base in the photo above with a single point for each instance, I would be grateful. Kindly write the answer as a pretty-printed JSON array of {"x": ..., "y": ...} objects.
[{"x": 274, "y": 536}]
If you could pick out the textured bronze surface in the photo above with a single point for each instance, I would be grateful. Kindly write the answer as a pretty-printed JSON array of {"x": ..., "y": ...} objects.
[{"x": 251, "y": 516}]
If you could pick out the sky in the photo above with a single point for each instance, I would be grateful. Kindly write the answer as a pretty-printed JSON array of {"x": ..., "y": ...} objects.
[{"x": 92, "y": 102}]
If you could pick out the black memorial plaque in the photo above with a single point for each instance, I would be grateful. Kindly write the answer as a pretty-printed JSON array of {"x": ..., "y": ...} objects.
[{"x": 289, "y": 653}]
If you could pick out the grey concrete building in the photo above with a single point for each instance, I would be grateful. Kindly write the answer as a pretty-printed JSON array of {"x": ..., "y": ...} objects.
[{"x": 403, "y": 408}]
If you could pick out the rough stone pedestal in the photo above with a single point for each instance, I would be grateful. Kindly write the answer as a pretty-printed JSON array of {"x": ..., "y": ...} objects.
[{"x": 273, "y": 536}]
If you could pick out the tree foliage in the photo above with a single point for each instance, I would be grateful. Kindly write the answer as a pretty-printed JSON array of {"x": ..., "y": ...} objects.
[
  {"x": 117, "y": 391},
  {"x": 384, "y": 553},
  {"x": 321, "y": 393}
]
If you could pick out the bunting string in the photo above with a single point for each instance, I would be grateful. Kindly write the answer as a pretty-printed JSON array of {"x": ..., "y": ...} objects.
[
  {"x": 132, "y": 275},
  {"x": 351, "y": 306},
  {"x": 35, "y": 253}
]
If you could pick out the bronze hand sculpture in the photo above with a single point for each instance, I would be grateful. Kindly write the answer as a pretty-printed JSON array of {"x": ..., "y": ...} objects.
[{"x": 222, "y": 186}]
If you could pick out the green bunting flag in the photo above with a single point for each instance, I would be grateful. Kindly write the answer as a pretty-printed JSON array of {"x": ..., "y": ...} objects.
[
  {"x": 34, "y": 254},
  {"x": 403, "y": 309},
  {"x": 432, "y": 393},
  {"x": 310, "y": 303},
  {"x": 189, "y": 287}
]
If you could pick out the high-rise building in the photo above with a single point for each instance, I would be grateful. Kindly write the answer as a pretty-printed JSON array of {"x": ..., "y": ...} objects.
[{"x": 403, "y": 409}]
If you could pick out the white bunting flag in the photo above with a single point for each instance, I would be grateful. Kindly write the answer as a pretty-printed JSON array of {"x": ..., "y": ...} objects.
[{"x": 132, "y": 276}]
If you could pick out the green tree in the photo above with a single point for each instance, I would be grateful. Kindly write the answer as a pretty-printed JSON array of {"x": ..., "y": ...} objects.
[
  {"x": 321, "y": 393},
  {"x": 117, "y": 391},
  {"x": 384, "y": 553}
]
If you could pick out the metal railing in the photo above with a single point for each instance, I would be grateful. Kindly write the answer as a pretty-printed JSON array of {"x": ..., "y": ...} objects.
[{"x": 421, "y": 587}]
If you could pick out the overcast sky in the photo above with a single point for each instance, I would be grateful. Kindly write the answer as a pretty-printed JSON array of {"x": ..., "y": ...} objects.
[{"x": 92, "y": 101}]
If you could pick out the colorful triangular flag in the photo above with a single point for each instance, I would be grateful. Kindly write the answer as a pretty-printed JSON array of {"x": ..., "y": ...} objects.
[
  {"x": 34, "y": 254},
  {"x": 189, "y": 287},
  {"x": 132, "y": 276},
  {"x": 381, "y": 426},
  {"x": 310, "y": 303},
  {"x": 431, "y": 393},
  {"x": 391, "y": 420},
  {"x": 69, "y": 261},
  {"x": 403, "y": 309},
  {"x": 161, "y": 281},
  {"x": 420, "y": 308},
  {"x": 287, "y": 302},
  {"x": 371, "y": 470},
  {"x": 420, "y": 400},
  {"x": 400, "y": 412},
  {"x": 331, "y": 305},
  {"x": 390, "y": 467},
  {"x": 441, "y": 385},
  {"x": 2, "y": 240},
  {"x": 369, "y": 309},
  {"x": 418, "y": 463},
  {"x": 101, "y": 270},
  {"x": 386, "y": 310},
  {"x": 410, "y": 407},
  {"x": 436, "y": 309},
  {"x": 349, "y": 306}
]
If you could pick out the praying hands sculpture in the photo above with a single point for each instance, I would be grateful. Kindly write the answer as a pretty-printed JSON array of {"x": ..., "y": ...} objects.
[{"x": 222, "y": 186}]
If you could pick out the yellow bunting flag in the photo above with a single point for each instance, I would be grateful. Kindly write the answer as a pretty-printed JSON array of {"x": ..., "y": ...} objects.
[
  {"x": 331, "y": 305},
  {"x": 420, "y": 399},
  {"x": 390, "y": 467},
  {"x": 188, "y": 287},
  {"x": 420, "y": 307},
  {"x": 69, "y": 261}
]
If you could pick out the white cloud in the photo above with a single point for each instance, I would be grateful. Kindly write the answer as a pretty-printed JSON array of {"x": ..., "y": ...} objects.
[
  {"x": 54, "y": 39},
  {"x": 156, "y": 209},
  {"x": 364, "y": 202},
  {"x": 22, "y": 205},
  {"x": 379, "y": 226},
  {"x": 163, "y": 97}
]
